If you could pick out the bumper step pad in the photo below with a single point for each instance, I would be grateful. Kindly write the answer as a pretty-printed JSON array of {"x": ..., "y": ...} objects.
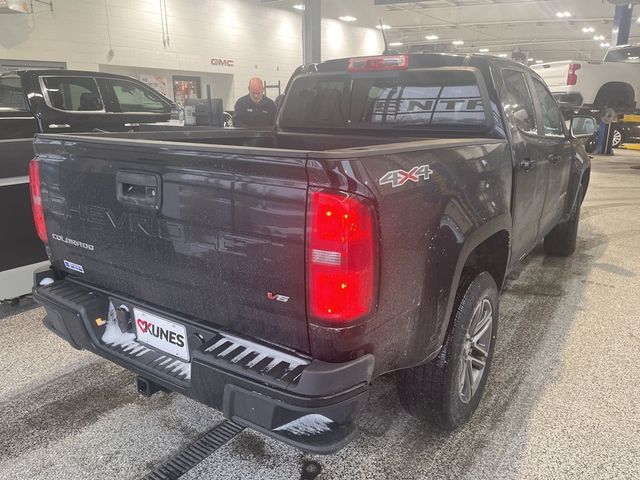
[
  {"x": 222, "y": 350},
  {"x": 127, "y": 345}
]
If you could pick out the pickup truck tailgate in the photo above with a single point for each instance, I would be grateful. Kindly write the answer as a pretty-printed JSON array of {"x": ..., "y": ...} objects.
[
  {"x": 215, "y": 232},
  {"x": 554, "y": 74}
]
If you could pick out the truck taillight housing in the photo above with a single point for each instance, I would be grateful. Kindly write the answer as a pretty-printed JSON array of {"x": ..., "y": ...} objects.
[
  {"x": 572, "y": 77},
  {"x": 36, "y": 200},
  {"x": 341, "y": 256}
]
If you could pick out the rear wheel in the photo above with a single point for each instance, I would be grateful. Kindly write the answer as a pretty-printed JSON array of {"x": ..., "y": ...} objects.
[
  {"x": 446, "y": 391},
  {"x": 618, "y": 138},
  {"x": 561, "y": 241}
]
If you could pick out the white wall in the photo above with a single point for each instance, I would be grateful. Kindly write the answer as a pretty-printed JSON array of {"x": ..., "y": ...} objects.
[{"x": 262, "y": 41}]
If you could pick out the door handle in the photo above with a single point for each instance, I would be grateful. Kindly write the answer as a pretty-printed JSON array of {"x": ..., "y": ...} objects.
[
  {"x": 527, "y": 164},
  {"x": 138, "y": 188}
]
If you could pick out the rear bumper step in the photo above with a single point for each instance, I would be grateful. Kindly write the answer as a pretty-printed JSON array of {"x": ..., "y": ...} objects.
[{"x": 306, "y": 403}]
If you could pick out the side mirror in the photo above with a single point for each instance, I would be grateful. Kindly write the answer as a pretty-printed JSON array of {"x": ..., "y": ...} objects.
[{"x": 583, "y": 127}]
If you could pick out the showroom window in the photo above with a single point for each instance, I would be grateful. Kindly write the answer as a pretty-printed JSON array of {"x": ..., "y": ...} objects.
[
  {"x": 518, "y": 101},
  {"x": 11, "y": 95},
  {"x": 76, "y": 94},
  {"x": 551, "y": 116},
  {"x": 132, "y": 98}
]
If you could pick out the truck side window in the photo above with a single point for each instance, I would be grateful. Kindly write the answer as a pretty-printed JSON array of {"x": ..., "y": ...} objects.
[
  {"x": 518, "y": 101},
  {"x": 132, "y": 98},
  {"x": 73, "y": 94},
  {"x": 11, "y": 95},
  {"x": 551, "y": 116}
]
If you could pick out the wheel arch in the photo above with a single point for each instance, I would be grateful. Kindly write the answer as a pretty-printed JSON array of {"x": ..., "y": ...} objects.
[
  {"x": 487, "y": 249},
  {"x": 618, "y": 90}
]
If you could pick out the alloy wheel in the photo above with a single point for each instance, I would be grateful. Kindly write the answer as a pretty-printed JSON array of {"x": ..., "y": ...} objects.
[
  {"x": 617, "y": 138},
  {"x": 476, "y": 347}
]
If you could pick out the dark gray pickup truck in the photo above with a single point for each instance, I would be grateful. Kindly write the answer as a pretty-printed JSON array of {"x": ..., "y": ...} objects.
[
  {"x": 275, "y": 274},
  {"x": 44, "y": 101}
]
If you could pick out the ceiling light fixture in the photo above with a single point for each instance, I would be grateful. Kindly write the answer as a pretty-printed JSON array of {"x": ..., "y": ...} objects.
[
  {"x": 530, "y": 59},
  {"x": 396, "y": 44},
  {"x": 348, "y": 18},
  {"x": 588, "y": 29},
  {"x": 299, "y": 6},
  {"x": 458, "y": 42},
  {"x": 539, "y": 61},
  {"x": 384, "y": 27},
  {"x": 598, "y": 37},
  {"x": 605, "y": 44},
  {"x": 484, "y": 50},
  {"x": 563, "y": 14},
  {"x": 503, "y": 55},
  {"x": 432, "y": 37}
]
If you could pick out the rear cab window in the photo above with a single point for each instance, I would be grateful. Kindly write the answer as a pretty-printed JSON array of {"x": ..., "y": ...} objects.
[
  {"x": 12, "y": 98},
  {"x": 449, "y": 98}
]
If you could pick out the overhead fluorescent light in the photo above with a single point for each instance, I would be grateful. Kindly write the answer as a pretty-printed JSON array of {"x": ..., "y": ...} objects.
[
  {"x": 588, "y": 29},
  {"x": 299, "y": 6},
  {"x": 432, "y": 37},
  {"x": 396, "y": 44},
  {"x": 530, "y": 59},
  {"x": 348, "y": 18},
  {"x": 458, "y": 42},
  {"x": 539, "y": 61},
  {"x": 484, "y": 50},
  {"x": 384, "y": 27},
  {"x": 599, "y": 37},
  {"x": 605, "y": 44},
  {"x": 503, "y": 55},
  {"x": 563, "y": 14}
]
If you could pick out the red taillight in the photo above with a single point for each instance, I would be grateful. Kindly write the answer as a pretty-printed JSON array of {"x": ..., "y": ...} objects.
[
  {"x": 383, "y": 62},
  {"x": 36, "y": 200},
  {"x": 341, "y": 256},
  {"x": 572, "y": 77}
]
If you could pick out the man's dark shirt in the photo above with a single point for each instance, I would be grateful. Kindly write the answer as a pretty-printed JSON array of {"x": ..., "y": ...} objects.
[{"x": 247, "y": 113}]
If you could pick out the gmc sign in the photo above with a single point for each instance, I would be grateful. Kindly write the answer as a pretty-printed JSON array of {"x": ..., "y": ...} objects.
[{"x": 222, "y": 62}]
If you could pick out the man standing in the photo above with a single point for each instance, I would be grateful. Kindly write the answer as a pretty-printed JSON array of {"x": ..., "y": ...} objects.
[{"x": 254, "y": 109}]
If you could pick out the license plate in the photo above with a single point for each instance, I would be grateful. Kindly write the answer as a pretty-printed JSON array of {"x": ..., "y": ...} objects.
[{"x": 163, "y": 334}]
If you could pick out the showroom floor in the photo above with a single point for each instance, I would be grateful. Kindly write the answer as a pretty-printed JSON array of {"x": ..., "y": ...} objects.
[{"x": 562, "y": 400}]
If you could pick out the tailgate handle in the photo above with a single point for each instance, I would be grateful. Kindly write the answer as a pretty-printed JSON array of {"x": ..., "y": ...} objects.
[{"x": 138, "y": 188}]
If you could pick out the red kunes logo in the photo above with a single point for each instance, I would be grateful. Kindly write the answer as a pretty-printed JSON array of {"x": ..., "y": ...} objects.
[{"x": 159, "y": 332}]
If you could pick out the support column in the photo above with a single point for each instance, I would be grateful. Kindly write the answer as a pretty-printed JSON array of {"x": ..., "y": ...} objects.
[
  {"x": 311, "y": 27},
  {"x": 622, "y": 25}
]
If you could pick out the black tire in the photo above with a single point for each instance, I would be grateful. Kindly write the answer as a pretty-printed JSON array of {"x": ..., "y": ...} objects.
[
  {"x": 561, "y": 241},
  {"x": 433, "y": 392}
]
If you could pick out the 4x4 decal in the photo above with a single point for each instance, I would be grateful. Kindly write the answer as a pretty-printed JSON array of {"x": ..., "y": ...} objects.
[{"x": 397, "y": 178}]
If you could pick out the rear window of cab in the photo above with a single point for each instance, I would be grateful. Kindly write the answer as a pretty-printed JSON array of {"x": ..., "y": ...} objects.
[{"x": 411, "y": 99}]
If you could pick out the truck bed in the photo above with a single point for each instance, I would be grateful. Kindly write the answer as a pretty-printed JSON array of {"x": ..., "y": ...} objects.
[{"x": 223, "y": 233}]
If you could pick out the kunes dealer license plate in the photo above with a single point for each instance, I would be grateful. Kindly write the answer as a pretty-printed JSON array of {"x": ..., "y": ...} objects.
[{"x": 162, "y": 334}]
